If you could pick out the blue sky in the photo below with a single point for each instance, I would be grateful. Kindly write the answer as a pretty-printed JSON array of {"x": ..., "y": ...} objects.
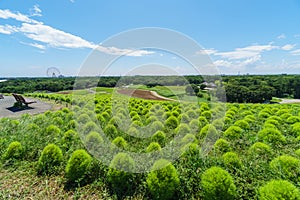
[{"x": 249, "y": 36}]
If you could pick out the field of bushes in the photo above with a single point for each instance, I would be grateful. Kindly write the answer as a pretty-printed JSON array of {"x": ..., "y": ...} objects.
[{"x": 228, "y": 151}]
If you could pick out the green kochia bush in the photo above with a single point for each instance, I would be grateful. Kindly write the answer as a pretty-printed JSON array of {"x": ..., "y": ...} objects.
[
  {"x": 93, "y": 140},
  {"x": 260, "y": 149},
  {"x": 286, "y": 166},
  {"x": 271, "y": 135},
  {"x": 231, "y": 160},
  {"x": 233, "y": 132},
  {"x": 120, "y": 142},
  {"x": 153, "y": 146},
  {"x": 222, "y": 145},
  {"x": 120, "y": 174},
  {"x": 159, "y": 137},
  {"x": 208, "y": 130},
  {"x": 163, "y": 181},
  {"x": 50, "y": 160},
  {"x": 217, "y": 184},
  {"x": 279, "y": 189},
  {"x": 14, "y": 151},
  {"x": 172, "y": 122},
  {"x": 78, "y": 166}
]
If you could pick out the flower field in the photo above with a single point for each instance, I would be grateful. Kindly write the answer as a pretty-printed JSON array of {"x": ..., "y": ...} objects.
[{"x": 197, "y": 150}]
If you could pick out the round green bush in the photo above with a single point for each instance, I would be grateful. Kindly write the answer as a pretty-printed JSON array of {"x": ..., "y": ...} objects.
[
  {"x": 111, "y": 130},
  {"x": 53, "y": 130},
  {"x": 202, "y": 121},
  {"x": 207, "y": 115},
  {"x": 260, "y": 149},
  {"x": 183, "y": 129},
  {"x": 271, "y": 135},
  {"x": 83, "y": 119},
  {"x": 296, "y": 129},
  {"x": 119, "y": 174},
  {"x": 14, "y": 151},
  {"x": 156, "y": 126},
  {"x": 242, "y": 124},
  {"x": 50, "y": 160},
  {"x": 191, "y": 149},
  {"x": 163, "y": 180},
  {"x": 153, "y": 146},
  {"x": 208, "y": 130},
  {"x": 93, "y": 140},
  {"x": 293, "y": 119},
  {"x": 233, "y": 132},
  {"x": 120, "y": 142},
  {"x": 217, "y": 184},
  {"x": 78, "y": 166},
  {"x": 89, "y": 127},
  {"x": 218, "y": 123},
  {"x": 278, "y": 190},
  {"x": 189, "y": 138},
  {"x": 222, "y": 145},
  {"x": 286, "y": 166},
  {"x": 171, "y": 122},
  {"x": 232, "y": 160},
  {"x": 159, "y": 137},
  {"x": 194, "y": 126}
]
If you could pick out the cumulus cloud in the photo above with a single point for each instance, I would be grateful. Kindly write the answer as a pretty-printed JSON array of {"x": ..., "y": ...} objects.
[
  {"x": 52, "y": 37},
  {"x": 36, "y": 11},
  {"x": 296, "y": 52},
  {"x": 246, "y": 52},
  {"x": 288, "y": 47},
  {"x": 7, "y": 29},
  {"x": 282, "y": 36}
]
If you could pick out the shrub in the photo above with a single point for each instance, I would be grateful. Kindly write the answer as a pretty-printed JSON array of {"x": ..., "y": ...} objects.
[
  {"x": 13, "y": 151},
  {"x": 163, "y": 180},
  {"x": 111, "y": 130},
  {"x": 207, "y": 115},
  {"x": 218, "y": 123},
  {"x": 278, "y": 189},
  {"x": 233, "y": 132},
  {"x": 293, "y": 119},
  {"x": 156, "y": 126},
  {"x": 172, "y": 122},
  {"x": 260, "y": 149},
  {"x": 153, "y": 146},
  {"x": 83, "y": 119},
  {"x": 78, "y": 166},
  {"x": 119, "y": 173},
  {"x": 120, "y": 142},
  {"x": 296, "y": 129},
  {"x": 93, "y": 140},
  {"x": 159, "y": 137},
  {"x": 202, "y": 121},
  {"x": 217, "y": 184},
  {"x": 242, "y": 124},
  {"x": 50, "y": 160},
  {"x": 184, "y": 118},
  {"x": 271, "y": 135},
  {"x": 194, "y": 126},
  {"x": 89, "y": 127},
  {"x": 183, "y": 129},
  {"x": 286, "y": 166},
  {"x": 189, "y": 138},
  {"x": 208, "y": 130},
  {"x": 53, "y": 130},
  {"x": 232, "y": 160},
  {"x": 222, "y": 145},
  {"x": 191, "y": 149}
]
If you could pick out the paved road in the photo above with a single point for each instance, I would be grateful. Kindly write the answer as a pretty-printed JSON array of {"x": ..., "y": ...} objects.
[{"x": 6, "y": 109}]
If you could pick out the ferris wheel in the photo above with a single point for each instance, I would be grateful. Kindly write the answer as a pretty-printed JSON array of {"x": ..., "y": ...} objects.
[{"x": 53, "y": 72}]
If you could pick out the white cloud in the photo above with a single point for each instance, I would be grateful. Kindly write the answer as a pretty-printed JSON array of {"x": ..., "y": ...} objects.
[
  {"x": 207, "y": 51},
  {"x": 288, "y": 47},
  {"x": 297, "y": 35},
  {"x": 39, "y": 46},
  {"x": 52, "y": 37},
  {"x": 36, "y": 11},
  {"x": 72, "y": 1},
  {"x": 7, "y": 29},
  {"x": 296, "y": 52},
  {"x": 282, "y": 36},
  {"x": 223, "y": 63},
  {"x": 7, "y": 14},
  {"x": 246, "y": 52}
]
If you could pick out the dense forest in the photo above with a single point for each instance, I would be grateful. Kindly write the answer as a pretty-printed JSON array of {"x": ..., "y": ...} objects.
[{"x": 245, "y": 88}]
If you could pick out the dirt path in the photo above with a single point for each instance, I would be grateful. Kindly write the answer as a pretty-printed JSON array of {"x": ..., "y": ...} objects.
[
  {"x": 6, "y": 109},
  {"x": 286, "y": 101},
  {"x": 144, "y": 94}
]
